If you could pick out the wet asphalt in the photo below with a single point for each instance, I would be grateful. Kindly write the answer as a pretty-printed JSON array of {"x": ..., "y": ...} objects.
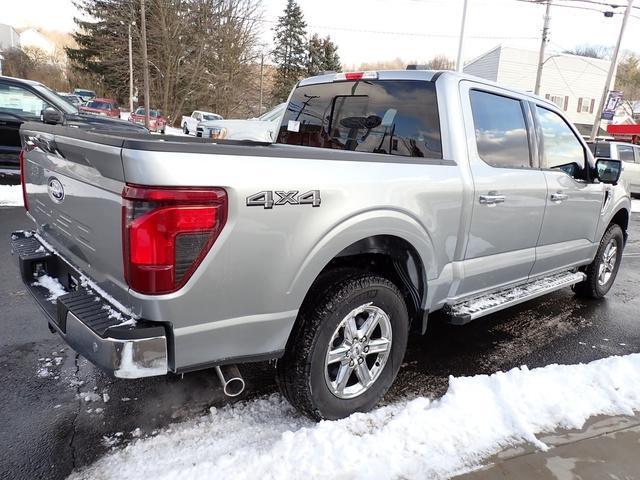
[{"x": 58, "y": 412}]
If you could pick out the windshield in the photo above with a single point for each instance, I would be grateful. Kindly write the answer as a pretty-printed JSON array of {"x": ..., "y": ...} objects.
[
  {"x": 152, "y": 113},
  {"x": 211, "y": 116},
  {"x": 99, "y": 105},
  {"x": 56, "y": 100}
]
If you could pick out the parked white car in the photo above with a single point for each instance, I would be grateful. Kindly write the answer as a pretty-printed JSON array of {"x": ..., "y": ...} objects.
[
  {"x": 260, "y": 129},
  {"x": 190, "y": 123},
  {"x": 630, "y": 156}
]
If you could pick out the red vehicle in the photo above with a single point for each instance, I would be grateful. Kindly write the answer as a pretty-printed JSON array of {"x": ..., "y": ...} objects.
[
  {"x": 102, "y": 106},
  {"x": 157, "y": 123}
]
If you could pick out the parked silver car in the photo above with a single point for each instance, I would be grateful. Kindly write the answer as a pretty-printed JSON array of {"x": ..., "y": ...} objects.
[{"x": 386, "y": 197}]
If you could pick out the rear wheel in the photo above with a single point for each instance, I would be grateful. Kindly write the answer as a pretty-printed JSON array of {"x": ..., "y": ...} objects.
[
  {"x": 601, "y": 273},
  {"x": 346, "y": 348}
]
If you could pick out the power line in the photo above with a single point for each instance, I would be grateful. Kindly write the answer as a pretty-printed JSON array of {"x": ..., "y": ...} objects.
[{"x": 408, "y": 34}]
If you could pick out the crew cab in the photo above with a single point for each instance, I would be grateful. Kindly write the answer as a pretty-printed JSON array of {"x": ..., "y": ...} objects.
[
  {"x": 190, "y": 123},
  {"x": 627, "y": 153},
  {"x": 25, "y": 100},
  {"x": 386, "y": 196}
]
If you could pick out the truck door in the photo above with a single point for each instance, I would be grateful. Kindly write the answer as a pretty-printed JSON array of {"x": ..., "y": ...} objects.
[
  {"x": 509, "y": 189},
  {"x": 573, "y": 203}
]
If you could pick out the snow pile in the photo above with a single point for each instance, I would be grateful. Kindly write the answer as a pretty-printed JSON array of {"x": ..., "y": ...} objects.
[
  {"x": 635, "y": 206},
  {"x": 478, "y": 417},
  {"x": 11, "y": 196},
  {"x": 52, "y": 284}
]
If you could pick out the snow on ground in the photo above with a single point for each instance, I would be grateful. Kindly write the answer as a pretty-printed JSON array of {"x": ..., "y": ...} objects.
[
  {"x": 635, "y": 206},
  {"x": 479, "y": 416},
  {"x": 10, "y": 196},
  {"x": 174, "y": 131}
]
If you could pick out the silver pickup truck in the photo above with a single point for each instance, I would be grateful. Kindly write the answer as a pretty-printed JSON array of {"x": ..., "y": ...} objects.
[{"x": 386, "y": 196}]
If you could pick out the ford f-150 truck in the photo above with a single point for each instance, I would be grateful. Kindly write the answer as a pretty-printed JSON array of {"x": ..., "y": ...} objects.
[{"x": 387, "y": 196}]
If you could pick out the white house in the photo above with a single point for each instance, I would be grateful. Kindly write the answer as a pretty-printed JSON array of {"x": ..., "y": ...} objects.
[
  {"x": 9, "y": 38},
  {"x": 572, "y": 82},
  {"x": 32, "y": 38}
]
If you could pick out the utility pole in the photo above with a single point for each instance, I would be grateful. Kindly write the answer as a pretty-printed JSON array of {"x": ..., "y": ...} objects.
[
  {"x": 543, "y": 45},
  {"x": 459, "y": 63},
  {"x": 145, "y": 62},
  {"x": 130, "y": 69},
  {"x": 612, "y": 69},
  {"x": 261, "y": 80}
]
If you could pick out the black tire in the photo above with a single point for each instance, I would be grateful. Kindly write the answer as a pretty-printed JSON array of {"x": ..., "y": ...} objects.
[
  {"x": 591, "y": 287},
  {"x": 301, "y": 371},
  {"x": 185, "y": 129}
]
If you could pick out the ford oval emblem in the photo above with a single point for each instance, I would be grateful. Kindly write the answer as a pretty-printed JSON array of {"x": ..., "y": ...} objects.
[{"x": 56, "y": 190}]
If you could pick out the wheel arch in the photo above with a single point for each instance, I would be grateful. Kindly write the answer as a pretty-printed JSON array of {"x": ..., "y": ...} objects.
[
  {"x": 389, "y": 243},
  {"x": 621, "y": 218}
]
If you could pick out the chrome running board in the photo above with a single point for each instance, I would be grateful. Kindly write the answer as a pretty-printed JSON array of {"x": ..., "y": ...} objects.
[{"x": 476, "y": 307}]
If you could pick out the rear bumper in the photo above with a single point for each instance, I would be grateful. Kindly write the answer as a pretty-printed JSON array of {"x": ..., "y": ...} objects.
[{"x": 92, "y": 326}]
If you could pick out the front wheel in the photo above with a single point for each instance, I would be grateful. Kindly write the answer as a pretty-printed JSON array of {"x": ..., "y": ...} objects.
[
  {"x": 346, "y": 348},
  {"x": 602, "y": 272},
  {"x": 185, "y": 129}
]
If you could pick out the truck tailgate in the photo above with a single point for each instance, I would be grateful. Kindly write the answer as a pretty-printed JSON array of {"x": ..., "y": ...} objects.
[{"x": 74, "y": 195}]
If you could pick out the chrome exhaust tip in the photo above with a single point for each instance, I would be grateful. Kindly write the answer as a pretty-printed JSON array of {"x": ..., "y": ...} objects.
[{"x": 231, "y": 380}]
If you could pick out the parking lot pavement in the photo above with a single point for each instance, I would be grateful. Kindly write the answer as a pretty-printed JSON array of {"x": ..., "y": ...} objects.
[{"x": 59, "y": 412}]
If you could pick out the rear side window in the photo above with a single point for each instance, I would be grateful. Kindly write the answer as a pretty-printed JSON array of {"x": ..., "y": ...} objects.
[
  {"x": 394, "y": 117},
  {"x": 625, "y": 152},
  {"x": 501, "y": 131}
]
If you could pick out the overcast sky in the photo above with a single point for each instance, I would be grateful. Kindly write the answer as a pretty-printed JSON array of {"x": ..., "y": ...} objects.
[{"x": 372, "y": 30}]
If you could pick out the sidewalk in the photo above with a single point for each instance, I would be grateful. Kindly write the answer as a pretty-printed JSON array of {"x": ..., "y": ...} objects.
[{"x": 607, "y": 448}]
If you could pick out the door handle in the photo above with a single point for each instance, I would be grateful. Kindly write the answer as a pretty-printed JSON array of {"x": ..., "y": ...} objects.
[
  {"x": 491, "y": 198},
  {"x": 559, "y": 197}
]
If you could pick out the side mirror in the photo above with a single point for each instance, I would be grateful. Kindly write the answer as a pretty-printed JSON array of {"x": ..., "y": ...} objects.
[
  {"x": 52, "y": 116},
  {"x": 608, "y": 170}
]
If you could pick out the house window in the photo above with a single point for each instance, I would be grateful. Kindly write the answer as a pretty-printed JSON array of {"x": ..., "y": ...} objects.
[
  {"x": 562, "y": 101},
  {"x": 586, "y": 104}
]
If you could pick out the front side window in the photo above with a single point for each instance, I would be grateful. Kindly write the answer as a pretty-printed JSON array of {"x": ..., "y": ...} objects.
[
  {"x": 501, "y": 131},
  {"x": 625, "y": 153},
  {"x": 139, "y": 111},
  {"x": 21, "y": 102},
  {"x": 393, "y": 117},
  {"x": 561, "y": 148}
]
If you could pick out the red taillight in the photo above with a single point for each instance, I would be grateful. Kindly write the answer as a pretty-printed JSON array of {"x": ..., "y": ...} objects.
[
  {"x": 167, "y": 232},
  {"x": 23, "y": 180}
]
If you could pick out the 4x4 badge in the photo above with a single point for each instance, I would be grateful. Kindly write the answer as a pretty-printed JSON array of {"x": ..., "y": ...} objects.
[{"x": 265, "y": 198}]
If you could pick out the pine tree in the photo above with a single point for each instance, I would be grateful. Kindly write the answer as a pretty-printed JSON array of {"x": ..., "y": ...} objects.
[
  {"x": 290, "y": 53},
  {"x": 331, "y": 59},
  {"x": 322, "y": 56},
  {"x": 102, "y": 50},
  {"x": 315, "y": 55}
]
